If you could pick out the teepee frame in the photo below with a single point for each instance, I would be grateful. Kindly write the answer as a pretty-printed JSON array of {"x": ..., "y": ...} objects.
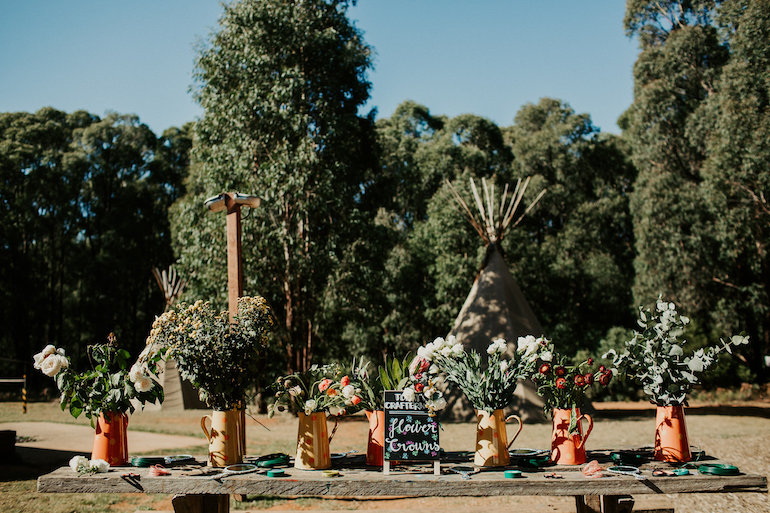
[{"x": 492, "y": 228}]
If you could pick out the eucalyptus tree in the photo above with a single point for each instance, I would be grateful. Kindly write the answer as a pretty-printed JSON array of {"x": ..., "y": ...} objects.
[
  {"x": 680, "y": 60},
  {"x": 83, "y": 221},
  {"x": 572, "y": 255},
  {"x": 736, "y": 177},
  {"x": 280, "y": 82}
]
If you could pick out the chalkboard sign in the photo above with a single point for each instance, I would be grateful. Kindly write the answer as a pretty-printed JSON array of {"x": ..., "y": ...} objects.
[{"x": 411, "y": 434}]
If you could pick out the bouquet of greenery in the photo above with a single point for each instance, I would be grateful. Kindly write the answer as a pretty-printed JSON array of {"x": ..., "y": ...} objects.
[
  {"x": 655, "y": 357},
  {"x": 109, "y": 387},
  {"x": 562, "y": 385},
  {"x": 393, "y": 375},
  {"x": 218, "y": 357},
  {"x": 489, "y": 385},
  {"x": 321, "y": 388}
]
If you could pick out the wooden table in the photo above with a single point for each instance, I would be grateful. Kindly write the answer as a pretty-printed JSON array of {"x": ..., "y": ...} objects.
[{"x": 611, "y": 493}]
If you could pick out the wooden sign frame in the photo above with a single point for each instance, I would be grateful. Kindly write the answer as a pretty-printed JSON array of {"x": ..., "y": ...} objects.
[{"x": 410, "y": 429}]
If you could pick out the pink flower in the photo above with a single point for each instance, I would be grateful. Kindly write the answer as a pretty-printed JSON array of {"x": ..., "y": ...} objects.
[
  {"x": 355, "y": 400},
  {"x": 324, "y": 384},
  {"x": 345, "y": 381}
]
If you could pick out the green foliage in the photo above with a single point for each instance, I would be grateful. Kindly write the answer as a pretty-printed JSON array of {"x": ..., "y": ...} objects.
[
  {"x": 83, "y": 221},
  {"x": 655, "y": 356},
  {"x": 489, "y": 385},
  {"x": 217, "y": 356},
  {"x": 105, "y": 389},
  {"x": 697, "y": 129},
  {"x": 281, "y": 83}
]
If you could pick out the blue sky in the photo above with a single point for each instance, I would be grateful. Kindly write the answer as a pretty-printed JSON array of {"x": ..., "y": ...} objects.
[{"x": 486, "y": 57}]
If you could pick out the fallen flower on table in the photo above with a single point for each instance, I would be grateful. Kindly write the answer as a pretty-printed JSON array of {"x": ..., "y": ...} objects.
[
  {"x": 83, "y": 465},
  {"x": 593, "y": 469}
]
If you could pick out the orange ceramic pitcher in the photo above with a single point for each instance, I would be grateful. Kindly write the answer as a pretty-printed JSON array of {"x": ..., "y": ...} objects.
[
  {"x": 671, "y": 443},
  {"x": 226, "y": 438},
  {"x": 375, "y": 448},
  {"x": 492, "y": 439},
  {"x": 569, "y": 449},
  {"x": 313, "y": 442},
  {"x": 111, "y": 441}
]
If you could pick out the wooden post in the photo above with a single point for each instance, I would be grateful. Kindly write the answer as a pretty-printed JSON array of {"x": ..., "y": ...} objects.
[
  {"x": 201, "y": 503},
  {"x": 232, "y": 202},
  {"x": 234, "y": 265}
]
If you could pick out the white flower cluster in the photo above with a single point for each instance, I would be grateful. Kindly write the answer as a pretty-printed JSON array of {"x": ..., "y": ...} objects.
[
  {"x": 529, "y": 347},
  {"x": 448, "y": 348},
  {"x": 83, "y": 465},
  {"x": 655, "y": 358},
  {"x": 51, "y": 361},
  {"x": 139, "y": 376}
]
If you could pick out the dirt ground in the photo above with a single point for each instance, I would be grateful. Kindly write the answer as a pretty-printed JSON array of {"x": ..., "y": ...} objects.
[{"x": 739, "y": 434}]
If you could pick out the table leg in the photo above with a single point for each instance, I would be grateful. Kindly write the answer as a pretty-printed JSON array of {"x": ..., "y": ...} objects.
[
  {"x": 604, "y": 503},
  {"x": 200, "y": 503}
]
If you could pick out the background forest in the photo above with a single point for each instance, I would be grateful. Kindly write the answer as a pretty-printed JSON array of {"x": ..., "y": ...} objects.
[{"x": 358, "y": 245}]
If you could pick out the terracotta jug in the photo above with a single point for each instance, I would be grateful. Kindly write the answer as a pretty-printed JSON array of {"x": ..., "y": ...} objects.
[
  {"x": 226, "y": 438},
  {"x": 671, "y": 443},
  {"x": 313, "y": 442},
  {"x": 375, "y": 448},
  {"x": 110, "y": 441},
  {"x": 569, "y": 449},
  {"x": 492, "y": 439}
]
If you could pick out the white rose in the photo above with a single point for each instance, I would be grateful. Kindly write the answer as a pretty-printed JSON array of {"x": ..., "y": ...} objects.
[
  {"x": 99, "y": 466},
  {"x": 498, "y": 346},
  {"x": 348, "y": 391},
  {"x": 39, "y": 357},
  {"x": 53, "y": 364},
  {"x": 135, "y": 372},
  {"x": 295, "y": 391},
  {"x": 546, "y": 356},
  {"x": 408, "y": 394},
  {"x": 78, "y": 463},
  {"x": 310, "y": 405},
  {"x": 336, "y": 410},
  {"x": 526, "y": 344},
  {"x": 143, "y": 384}
]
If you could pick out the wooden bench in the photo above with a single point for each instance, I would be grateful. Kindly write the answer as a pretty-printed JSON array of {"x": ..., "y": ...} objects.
[{"x": 194, "y": 494}]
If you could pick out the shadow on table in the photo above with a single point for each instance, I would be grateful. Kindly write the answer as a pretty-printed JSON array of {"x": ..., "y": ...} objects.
[{"x": 31, "y": 462}]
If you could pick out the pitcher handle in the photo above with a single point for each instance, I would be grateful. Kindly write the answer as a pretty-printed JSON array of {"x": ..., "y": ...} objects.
[
  {"x": 334, "y": 430},
  {"x": 590, "y": 427},
  {"x": 203, "y": 427},
  {"x": 521, "y": 425}
]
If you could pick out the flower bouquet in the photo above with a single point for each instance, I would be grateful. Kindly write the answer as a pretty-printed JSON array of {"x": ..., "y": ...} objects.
[
  {"x": 219, "y": 358},
  {"x": 655, "y": 358},
  {"x": 562, "y": 387},
  {"x": 312, "y": 394},
  {"x": 104, "y": 394},
  {"x": 488, "y": 385}
]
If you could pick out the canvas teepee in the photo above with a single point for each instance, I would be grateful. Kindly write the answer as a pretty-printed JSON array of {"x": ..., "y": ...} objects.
[
  {"x": 495, "y": 307},
  {"x": 178, "y": 393}
]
